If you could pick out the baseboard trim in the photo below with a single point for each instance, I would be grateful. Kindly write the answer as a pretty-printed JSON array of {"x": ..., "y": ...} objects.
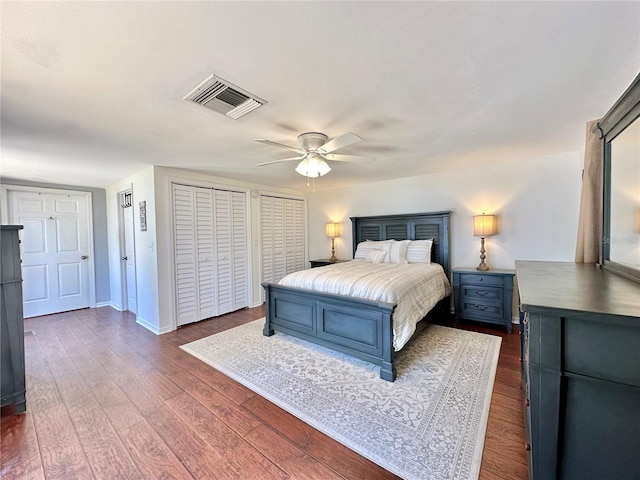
[
  {"x": 109, "y": 304},
  {"x": 151, "y": 327}
]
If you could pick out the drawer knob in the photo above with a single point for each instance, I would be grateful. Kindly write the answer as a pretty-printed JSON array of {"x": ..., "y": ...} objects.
[
  {"x": 481, "y": 293},
  {"x": 527, "y": 447},
  {"x": 526, "y": 402}
]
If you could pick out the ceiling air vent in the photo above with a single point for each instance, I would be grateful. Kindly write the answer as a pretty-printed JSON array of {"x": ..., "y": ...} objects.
[{"x": 224, "y": 97}]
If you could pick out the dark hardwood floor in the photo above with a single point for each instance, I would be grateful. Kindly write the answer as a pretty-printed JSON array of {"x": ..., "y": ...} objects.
[{"x": 108, "y": 399}]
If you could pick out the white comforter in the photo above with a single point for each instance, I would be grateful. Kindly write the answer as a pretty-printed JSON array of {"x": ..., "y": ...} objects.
[{"x": 415, "y": 288}]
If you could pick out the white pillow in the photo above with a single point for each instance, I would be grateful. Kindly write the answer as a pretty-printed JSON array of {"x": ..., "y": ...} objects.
[
  {"x": 375, "y": 255},
  {"x": 397, "y": 251},
  {"x": 363, "y": 248},
  {"x": 419, "y": 251}
]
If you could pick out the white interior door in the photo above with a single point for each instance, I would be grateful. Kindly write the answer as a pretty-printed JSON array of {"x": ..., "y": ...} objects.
[
  {"x": 224, "y": 251},
  {"x": 129, "y": 259},
  {"x": 210, "y": 239},
  {"x": 266, "y": 238},
  {"x": 206, "y": 297},
  {"x": 55, "y": 247},
  {"x": 184, "y": 231},
  {"x": 294, "y": 234},
  {"x": 282, "y": 236},
  {"x": 240, "y": 255}
]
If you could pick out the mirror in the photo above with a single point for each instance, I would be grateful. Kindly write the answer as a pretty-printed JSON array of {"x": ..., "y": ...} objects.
[
  {"x": 620, "y": 128},
  {"x": 624, "y": 233}
]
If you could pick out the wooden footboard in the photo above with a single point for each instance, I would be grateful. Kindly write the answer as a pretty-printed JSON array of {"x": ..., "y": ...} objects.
[{"x": 358, "y": 327}]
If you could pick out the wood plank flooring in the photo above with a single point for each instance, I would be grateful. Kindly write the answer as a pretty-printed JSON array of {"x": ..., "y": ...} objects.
[{"x": 107, "y": 399}]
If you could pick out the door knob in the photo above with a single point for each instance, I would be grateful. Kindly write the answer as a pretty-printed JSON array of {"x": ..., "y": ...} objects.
[
  {"x": 84, "y": 257},
  {"x": 125, "y": 258}
]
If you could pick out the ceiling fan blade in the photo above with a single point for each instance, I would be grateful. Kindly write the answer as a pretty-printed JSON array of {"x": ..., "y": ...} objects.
[
  {"x": 278, "y": 161},
  {"x": 347, "y": 158},
  {"x": 281, "y": 145},
  {"x": 339, "y": 142}
]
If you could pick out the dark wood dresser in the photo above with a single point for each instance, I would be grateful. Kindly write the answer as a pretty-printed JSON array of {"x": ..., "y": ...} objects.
[
  {"x": 581, "y": 371},
  {"x": 12, "y": 377}
]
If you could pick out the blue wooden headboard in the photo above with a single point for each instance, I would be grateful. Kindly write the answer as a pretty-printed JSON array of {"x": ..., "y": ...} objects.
[{"x": 413, "y": 226}]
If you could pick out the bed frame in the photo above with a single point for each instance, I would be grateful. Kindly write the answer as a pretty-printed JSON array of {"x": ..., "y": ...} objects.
[{"x": 358, "y": 327}]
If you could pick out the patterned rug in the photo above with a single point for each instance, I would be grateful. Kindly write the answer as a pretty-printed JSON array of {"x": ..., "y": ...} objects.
[{"x": 428, "y": 424}]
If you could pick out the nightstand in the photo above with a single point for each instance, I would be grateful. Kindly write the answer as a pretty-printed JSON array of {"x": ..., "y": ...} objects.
[
  {"x": 324, "y": 261},
  {"x": 484, "y": 296}
]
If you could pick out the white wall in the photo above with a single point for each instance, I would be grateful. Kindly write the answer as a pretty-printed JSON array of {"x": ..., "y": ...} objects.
[
  {"x": 142, "y": 185},
  {"x": 537, "y": 201}
]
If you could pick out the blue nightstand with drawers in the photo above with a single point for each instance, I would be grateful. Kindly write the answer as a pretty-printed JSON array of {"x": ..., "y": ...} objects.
[{"x": 484, "y": 296}]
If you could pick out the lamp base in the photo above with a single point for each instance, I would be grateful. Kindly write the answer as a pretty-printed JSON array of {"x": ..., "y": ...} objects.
[
  {"x": 483, "y": 267},
  {"x": 333, "y": 250}
]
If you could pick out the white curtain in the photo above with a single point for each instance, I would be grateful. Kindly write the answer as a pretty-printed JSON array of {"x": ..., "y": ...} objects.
[{"x": 589, "y": 221}]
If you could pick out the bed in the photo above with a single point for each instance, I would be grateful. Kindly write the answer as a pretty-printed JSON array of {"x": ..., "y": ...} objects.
[{"x": 356, "y": 326}]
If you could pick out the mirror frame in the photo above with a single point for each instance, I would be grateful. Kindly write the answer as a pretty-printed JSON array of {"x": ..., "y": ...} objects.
[{"x": 623, "y": 113}]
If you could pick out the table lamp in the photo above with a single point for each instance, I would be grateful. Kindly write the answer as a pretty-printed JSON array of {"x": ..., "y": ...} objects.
[
  {"x": 484, "y": 226},
  {"x": 333, "y": 231}
]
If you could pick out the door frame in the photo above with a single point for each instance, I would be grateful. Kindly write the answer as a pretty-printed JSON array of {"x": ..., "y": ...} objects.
[
  {"x": 124, "y": 284},
  {"x": 88, "y": 198}
]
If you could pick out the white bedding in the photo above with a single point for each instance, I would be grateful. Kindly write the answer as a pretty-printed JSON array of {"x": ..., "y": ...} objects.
[{"x": 415, "y": 288}]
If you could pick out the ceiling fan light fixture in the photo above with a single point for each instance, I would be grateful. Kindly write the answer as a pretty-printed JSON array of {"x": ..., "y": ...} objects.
[
  {"x": 313, "y": 167},
  {"x": 315, "y": 151}
]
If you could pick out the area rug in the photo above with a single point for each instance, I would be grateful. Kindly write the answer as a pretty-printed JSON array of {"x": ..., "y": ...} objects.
[{"x": 428, "y": 424}]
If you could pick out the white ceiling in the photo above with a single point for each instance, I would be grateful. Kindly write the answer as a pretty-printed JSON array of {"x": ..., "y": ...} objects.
[{"x": 92, "y": 91}]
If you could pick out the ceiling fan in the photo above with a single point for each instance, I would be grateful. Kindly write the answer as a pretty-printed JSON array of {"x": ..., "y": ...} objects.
[{"x": 314, "y": 150}]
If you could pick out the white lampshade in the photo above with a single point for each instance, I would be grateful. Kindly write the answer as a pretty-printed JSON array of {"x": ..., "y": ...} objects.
[
  {"x": 485, "y": 225},
  {"x": 333, "y": 230}
]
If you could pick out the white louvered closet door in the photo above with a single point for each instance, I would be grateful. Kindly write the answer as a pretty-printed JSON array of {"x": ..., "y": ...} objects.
[
  {"x": 266, "y": 238},
  {"x": 231, "y": 250},
  {"x": 282, "y": 223},
  {"x": 184, "y": 228},
  {"x": 240, "y": 249},
  {"x": 224, "y": 251},
  {"x": 289, "y": 236},
  {"x": 279, "y": 247},
  {"x": 207, "y": 292},
  {"x": 210, "y": 228},
  {"x": 273, "y": 239},
  {"x": 296, "y": 223}
]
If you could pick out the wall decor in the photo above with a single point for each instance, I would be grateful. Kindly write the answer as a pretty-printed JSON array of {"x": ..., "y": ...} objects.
[{"x": 143, "y": 216}]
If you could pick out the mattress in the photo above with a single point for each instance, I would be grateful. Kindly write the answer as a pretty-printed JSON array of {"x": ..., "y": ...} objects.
[{"x": 414, "y": 288}]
